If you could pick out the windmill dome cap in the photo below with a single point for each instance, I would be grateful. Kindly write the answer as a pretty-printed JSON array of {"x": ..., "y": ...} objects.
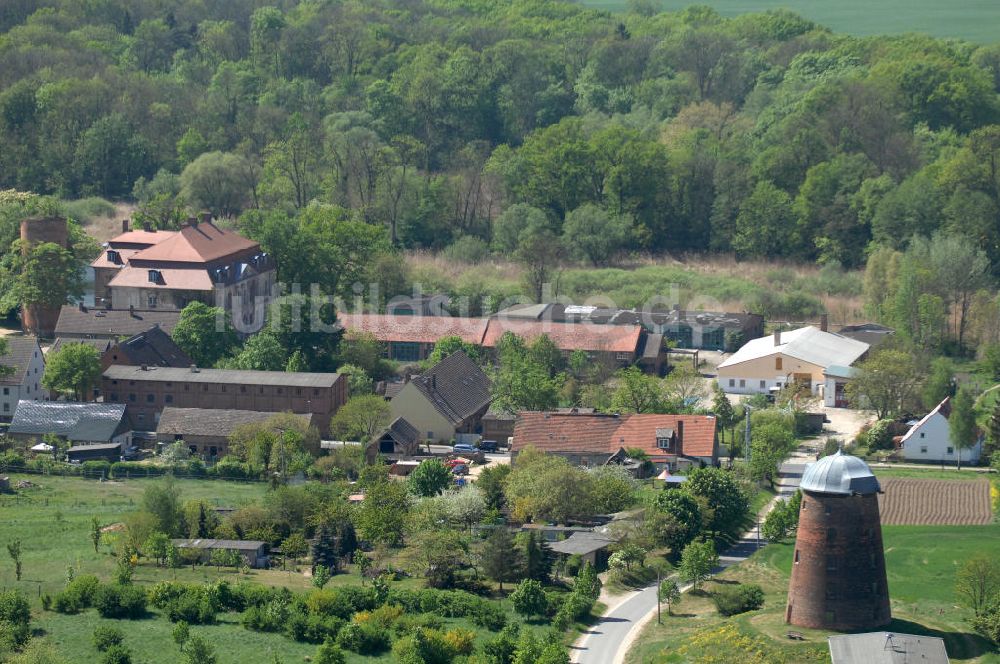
[{"x": 841, "y": 474}]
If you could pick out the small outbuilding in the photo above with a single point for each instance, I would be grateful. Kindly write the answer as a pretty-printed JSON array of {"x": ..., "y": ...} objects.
[
  {"x": 253, "y": 552},
  {"x": 109, "y": 452},
  {"x": 886, "y": 648},
  {"x": 590, "y": 546}
]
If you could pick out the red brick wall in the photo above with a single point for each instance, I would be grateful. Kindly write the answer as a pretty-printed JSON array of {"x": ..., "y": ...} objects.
[
  {"x": 151, "y": 397},
  {"x": 838, "y": 569}
]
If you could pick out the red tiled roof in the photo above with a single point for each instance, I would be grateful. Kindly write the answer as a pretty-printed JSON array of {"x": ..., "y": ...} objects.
[
  {"x": 416, "y": 329},
  {"x": 203, "y": 243},
  {"x": 138, "y": 277},
  {"x": 578, "y": 432},
  {"x": 145, "y": 238},
  {"x": 102, "y": 260},
  {"x": 569, "y": 336}
]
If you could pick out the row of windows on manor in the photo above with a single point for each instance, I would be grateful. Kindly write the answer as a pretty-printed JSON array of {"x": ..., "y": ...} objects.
[{"x": 168, "y": 398}]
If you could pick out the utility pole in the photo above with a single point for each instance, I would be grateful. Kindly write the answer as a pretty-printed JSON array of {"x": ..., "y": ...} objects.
[
  {"x": 746, "y": 435},
  {"x": 658, "y": 593}
]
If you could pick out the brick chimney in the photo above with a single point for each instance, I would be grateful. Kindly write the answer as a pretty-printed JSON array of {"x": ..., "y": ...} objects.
[
  {"x": 680, "y": 436},
  {"x": 206, "y": 217},
  {"x": 126, "y": 226},
  {"x": 777, "y": 337},
  {"x": 824, "y": 322},
  {"x": 131, "y": 310}
]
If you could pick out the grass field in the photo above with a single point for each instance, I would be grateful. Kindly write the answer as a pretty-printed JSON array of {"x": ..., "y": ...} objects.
[
  {"x": 975, "y": 20},
  {"x": 52, "y": 520},
  {"x": 921, "y": 563}
]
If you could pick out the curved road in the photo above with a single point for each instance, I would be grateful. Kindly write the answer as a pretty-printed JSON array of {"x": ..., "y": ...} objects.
[{"x": 609, "y": 639}]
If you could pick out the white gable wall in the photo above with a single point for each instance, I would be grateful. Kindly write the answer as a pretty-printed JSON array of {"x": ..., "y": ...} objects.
[
  {"x": 930, "y": 440},
  {"x": 30, "y": 388}
]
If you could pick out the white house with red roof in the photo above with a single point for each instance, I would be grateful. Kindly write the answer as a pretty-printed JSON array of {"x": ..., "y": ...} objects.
[
  {"x": 167, "y": 270},
  {"x": 930, "y": 440}
]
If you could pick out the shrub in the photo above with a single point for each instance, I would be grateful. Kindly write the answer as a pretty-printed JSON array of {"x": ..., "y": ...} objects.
[
  {"x": 180, "y": 633},
  {"x": 96, "y": 468},
  {"x": 77, "y": 595},
  {"x": 118, "y": 601},
  {"x": 529, "y": 599},
  {"x": 330, "y": 653},
  {"x": 408, "y": 624},
  {"x": 489, "y": 615},
  {"x": 384, "y": 616},
  {"x": 194, "y": 607},
  {"x": 106, "y": 636},
  {"x": 46, "y": 602},
  {"x": 11, "y": 460},
  {"x": 460, "y": 641},
  {"x": 15, "y": 612},
  {"x": 312, "y": 627},
  {"x": 738, "y": 599},
  {"x": 329, "y": 603},
  {"x": 269, "y": 617},
  {"x": 467, "y": 249},
  {"x": 364, "y": 639},
  {"x": 162, "y": 593},
  {"x": 117, "y": 654}
]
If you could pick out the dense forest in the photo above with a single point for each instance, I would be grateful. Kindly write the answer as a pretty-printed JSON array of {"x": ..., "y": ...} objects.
[
  {"x": 764, "y": 134},
  {"x": 339, "y": 132}
]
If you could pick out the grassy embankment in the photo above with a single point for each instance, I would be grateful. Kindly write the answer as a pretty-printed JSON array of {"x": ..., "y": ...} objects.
[
  {"x": 702, "y": 282},
  {"x": 921, "y": 562}
]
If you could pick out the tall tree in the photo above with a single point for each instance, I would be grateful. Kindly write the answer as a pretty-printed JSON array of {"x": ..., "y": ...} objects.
[
  {"x": 697, "y": 562},
  {"x": 74, "y": 369},
  {"x": 500, "y": 557},
  {"x": 887, "y": 383},
  {"x": 962, "y": 430},
  {"x": 205, "y": 333}
]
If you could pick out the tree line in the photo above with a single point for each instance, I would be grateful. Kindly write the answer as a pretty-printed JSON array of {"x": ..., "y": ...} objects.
[{"x": 764, "y": 134}]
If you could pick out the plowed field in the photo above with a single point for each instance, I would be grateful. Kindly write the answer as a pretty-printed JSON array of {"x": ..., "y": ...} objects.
[{"x": 909, "y": 501}]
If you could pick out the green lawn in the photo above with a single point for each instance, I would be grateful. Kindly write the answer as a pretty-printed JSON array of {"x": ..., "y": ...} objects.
[
  {"x": 931, "y": 473},
  {"x": 52, "y": 520},
  {"x": 921, "y": 563},
  {"x": 975, "y": 20}
]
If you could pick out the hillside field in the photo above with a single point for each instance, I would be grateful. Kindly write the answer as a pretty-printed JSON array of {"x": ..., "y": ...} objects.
[
  {"x": 921, "y": 562},
  {"x": 975, "y": 20}
]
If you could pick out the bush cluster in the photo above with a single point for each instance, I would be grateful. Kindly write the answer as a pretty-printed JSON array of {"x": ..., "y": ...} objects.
[
  {"x": 15, "y": 613},
  {"x": 120, "y": 601},
  {"x": 77, "y": 595},
  {"x": 732, "y": 600}
]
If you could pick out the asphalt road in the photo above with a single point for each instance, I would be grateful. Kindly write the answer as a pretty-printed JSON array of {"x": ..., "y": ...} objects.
[{"x": 608, "y": 641}]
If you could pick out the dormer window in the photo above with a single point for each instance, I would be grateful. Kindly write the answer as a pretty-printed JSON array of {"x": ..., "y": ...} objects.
[
  {"x": 665, "y": 439},
  {"x": 155, "y": 277},
  {"x": 114, "y": 257}
]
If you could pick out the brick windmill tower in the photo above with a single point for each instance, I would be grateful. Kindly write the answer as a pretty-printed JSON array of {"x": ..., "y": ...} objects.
[{"x": 838, "y": 574}]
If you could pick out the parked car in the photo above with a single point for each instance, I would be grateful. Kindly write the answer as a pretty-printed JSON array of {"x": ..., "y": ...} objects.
[
  {"x": 488, "y": 446},
  {"x": 463, "y": 447},
  {"x": 132, "y": 454}
]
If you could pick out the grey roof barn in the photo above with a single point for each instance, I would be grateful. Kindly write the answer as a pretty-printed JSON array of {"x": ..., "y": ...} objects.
[{"x": 76, "y": 422}]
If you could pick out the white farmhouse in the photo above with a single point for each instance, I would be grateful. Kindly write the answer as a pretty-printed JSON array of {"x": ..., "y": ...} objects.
[
  {"x": 800, "y": 356},
  {"x": 929, "y": 440},
  {"x": 23, "y": 381}
]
